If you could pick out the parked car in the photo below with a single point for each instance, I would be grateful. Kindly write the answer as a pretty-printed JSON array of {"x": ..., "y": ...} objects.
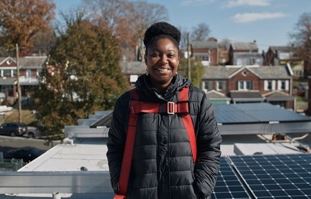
[
  {"x": 13, "y": 129},
  {"x": 32, "y": 132},
  {"x": 27, "y": 154}
]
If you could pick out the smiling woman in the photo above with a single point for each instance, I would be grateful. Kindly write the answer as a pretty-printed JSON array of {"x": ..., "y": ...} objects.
[{"x": 163, "y": 141}]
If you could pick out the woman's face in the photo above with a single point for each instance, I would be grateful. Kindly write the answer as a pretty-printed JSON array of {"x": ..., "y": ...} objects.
[{"x": 162, "y": 61}]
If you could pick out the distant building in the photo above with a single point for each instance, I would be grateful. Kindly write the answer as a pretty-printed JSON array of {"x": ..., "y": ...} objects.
[
  {"x": 29, "y": 69},
  {"x": 282, "y": 55},
  {"x": 244, "y": 53},
  {"x": 250, "y": 84},
  {"x": 206, "y": 51},
  {"x": 132, "y": 70}
]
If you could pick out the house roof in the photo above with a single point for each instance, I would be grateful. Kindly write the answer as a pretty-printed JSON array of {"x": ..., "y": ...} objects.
[
  {"x": 244, "y": 46},
  {"x": 204, "y": 44},
  {"x": 34, "y": 62},
  {"x": 263, "y": 72},
  {"x": 246, "y": 95},
  {"x": 133, "y": 67},
  {"x": 281, "y": 49},
  {"x": 218, "y": 72},
  {"x": 247, "y": 54},
  {"x": 30, "y": 62},
  {"x": 278, "y": 96},
  {"x": 272, "y": 72},
  {"x": 212, "y": 94}
]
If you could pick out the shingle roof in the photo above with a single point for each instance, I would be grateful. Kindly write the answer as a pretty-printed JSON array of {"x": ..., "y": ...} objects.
[
  {"x": 133, "y": 67},
  {"x": 278, "y": 96},
  {"x": 263, "y": 72},
  {"x": 271, "y": 72},
  {"x": 32, "y": 61},
  {"x": 204, "y": 44},
  {"x": 247, "y": 54},
  {"x": 281, "y": 48},
  {"x": 29, "y": 61},
  {"x": 246, "y": 94},
  {"x": 218, "y": 72},
  {"x": 216, "y": 95},
  {"x": 244, "y": 46}
]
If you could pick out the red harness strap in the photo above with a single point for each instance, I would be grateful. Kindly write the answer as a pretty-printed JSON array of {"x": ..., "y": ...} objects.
[{"x": 136, "y": 107}]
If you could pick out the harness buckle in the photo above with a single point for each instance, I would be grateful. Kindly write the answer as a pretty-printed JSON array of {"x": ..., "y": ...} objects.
[{"x": 170, "y": 108}]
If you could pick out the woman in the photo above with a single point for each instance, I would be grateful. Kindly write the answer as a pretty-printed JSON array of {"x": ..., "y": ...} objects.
[{"x": 166, "y": 161}]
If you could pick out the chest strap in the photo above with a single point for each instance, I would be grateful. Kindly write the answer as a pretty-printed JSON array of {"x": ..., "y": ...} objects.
[{"x": 136, "y": 107}]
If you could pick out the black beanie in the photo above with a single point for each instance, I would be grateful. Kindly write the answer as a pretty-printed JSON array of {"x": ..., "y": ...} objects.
[{"x": 161, "y": 28}]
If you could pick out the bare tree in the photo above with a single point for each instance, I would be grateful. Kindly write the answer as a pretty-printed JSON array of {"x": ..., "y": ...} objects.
[
  {"x": 302, "y": 40},
  {"x": 200, "y": 32},
  {"x": 148, "y": 13},
  {"x": 127, "y": 20}
]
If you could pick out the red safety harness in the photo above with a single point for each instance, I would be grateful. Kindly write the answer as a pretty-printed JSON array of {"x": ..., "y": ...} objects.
[{"x": 136, "y": 107}]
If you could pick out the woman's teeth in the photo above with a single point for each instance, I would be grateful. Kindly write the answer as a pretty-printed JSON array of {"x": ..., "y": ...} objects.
[{"x": 163, "y": 70}]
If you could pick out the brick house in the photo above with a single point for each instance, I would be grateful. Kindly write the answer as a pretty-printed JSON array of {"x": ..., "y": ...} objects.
[
  {"x": 30, "y": 68},
  {"x": 244, "y": 53},
  {"x": 248, "y": 84},
  {"x": 206, "y": 51}
]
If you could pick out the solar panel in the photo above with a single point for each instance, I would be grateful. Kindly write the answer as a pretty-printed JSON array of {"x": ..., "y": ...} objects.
[
  {"x": 276, "y": 176},
  {"x": 255, "y": 112},
  {"x": 228, "y": 184}
]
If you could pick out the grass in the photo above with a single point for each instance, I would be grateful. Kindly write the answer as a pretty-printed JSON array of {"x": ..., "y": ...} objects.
[
  {"x": 27, "y": 116},
  {"x": 301, "y": 104}
]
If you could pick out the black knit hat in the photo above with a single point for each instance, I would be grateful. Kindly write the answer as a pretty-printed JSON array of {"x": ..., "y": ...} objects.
[{"x": 161, "y": 28}]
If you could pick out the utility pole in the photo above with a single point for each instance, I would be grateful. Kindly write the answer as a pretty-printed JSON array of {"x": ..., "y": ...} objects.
[
  {"x": 18, "y": 86},
  {"x": 188, "y": 57}
]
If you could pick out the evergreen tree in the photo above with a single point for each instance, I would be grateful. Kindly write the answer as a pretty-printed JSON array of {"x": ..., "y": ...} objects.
[
  {"x": 197, "y": 70},
  {"x": 82, "y": 75}
]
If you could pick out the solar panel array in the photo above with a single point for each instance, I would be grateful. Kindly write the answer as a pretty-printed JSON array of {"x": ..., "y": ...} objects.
[
  {"x": 255, "y": 112},
  {"x": 265, "y": 176}
]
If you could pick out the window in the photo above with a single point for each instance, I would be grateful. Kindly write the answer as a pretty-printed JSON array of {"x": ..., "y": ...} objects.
[
  {"x": 6, "y": 73},
  {"x": 245, "y": 85},
  {"x": 205, "y": 58},
  {"x": 269, "y": 85},
  {"x": 28, "y": 73},
  {"x": 207, "y": 85},
  {"x": 14, "y": 73},
  {"x": 221, "y": 85},
  {"x": 283, "y": 85}
]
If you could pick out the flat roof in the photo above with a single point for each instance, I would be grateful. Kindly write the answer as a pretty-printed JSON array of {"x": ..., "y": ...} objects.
[{"x": 71, "y": 157}]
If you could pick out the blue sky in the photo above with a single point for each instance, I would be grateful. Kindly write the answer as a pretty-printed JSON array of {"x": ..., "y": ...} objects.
[{"x": 269, "y": 22}]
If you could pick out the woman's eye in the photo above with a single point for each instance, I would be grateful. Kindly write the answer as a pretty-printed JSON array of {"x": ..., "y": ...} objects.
[
  {"x": 171, "y": 55},
  {"x": 154, "y": 55}
]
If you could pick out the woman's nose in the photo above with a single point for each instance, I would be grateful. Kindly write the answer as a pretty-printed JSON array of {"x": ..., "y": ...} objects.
[{"x": 163, "y": 59}]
